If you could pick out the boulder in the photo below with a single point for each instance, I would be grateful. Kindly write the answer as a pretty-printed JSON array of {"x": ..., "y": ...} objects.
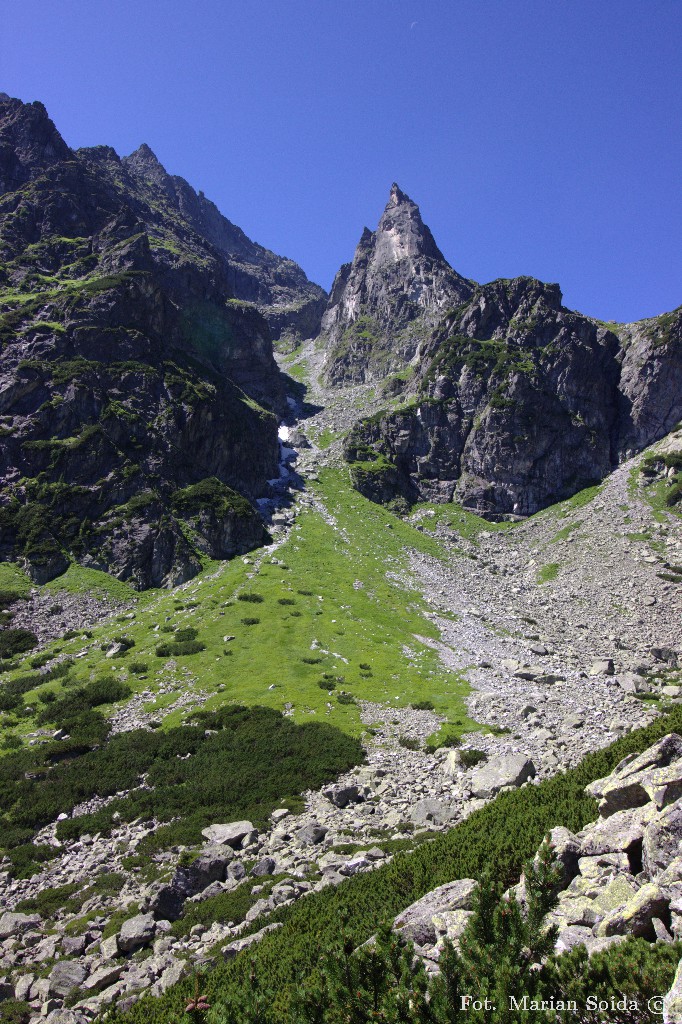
[
  {"x": 66, "y": 976},
  {"x": 432, "y": 812},
  {"x": 659, "y": 755},
  {"x": 602, "y": 667},
  {"x": 636, "y": 917},
  {"x": 508, "y": 770},
  {"x": 662, "y": 842},
  {"x": 342, "y": 796},
  {"x": 136, "y": 932},
  {"x": 108, "y": 948},
  {"x": 450, "y": 924},
  {"x": 102, "y": 977},
  {"x": 311, "y": 834},
  {"x": 619, "y": 833},
  {"x": 230, "y": 951},
  {"x": 415, "y": 923},
  {"x": 230, "y": 834},
  {"x": 16, "y": 924},
  {"x": 265, "y": 866}
]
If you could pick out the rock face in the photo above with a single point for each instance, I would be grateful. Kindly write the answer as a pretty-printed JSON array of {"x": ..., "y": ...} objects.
[
  {"x": 291, "y": 304},
  {"x": 509, "y": 401},
  {"x": 384, "y": 302},
  {"x": 138, "y": 391}
]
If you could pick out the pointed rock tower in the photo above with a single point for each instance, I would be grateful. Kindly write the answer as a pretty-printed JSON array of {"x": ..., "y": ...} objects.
[{"x": 385, "y": 301}]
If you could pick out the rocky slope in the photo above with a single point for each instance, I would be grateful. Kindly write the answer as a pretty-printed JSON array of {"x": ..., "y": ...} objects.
[
  {"x": 135, "y": 384},
  {"x": 384, "y": 303},
  {"x": 519, "y": 402}
]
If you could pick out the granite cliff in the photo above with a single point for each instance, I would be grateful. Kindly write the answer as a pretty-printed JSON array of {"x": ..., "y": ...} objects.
[
  {"x": 386, "y": 301},
  {"x": 511, "y": 401},
  {"x": 138, "y": 389}
]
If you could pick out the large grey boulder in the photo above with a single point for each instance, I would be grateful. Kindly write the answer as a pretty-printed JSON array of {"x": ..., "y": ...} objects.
[
  {"x": 229, "y": 834},
  {"x": 17, "y": 924},
  {"x": 136, "y": 932},
  {"x": 662, "y": 841},
  {"x": 342, "y": 796},
  {"x": 626, "y": 786},
  {"x": 66, "y": 976},
  {"x": 311, "y": 834},
  {"x": 416, "y": 922},
  {"x": 618, "y": 833},
  {"x": 637, "y": 916},
  {"x": 509, "y": 770},
  {"x": 432, "y": 812}
]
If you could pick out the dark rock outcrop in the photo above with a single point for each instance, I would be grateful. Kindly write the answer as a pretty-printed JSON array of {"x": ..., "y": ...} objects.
[
  {"x": 291, "y": 304},
  {"x": 138, "y": 395},
  {"x": 385, "y": 302},
  {"x": 518, "y": 402}
]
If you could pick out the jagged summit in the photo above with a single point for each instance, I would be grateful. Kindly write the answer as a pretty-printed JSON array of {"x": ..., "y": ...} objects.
[
  {"x": 398, "y": 284},
  {"x": 29, "y": 142},
  {"x": 401, "y": 232}
]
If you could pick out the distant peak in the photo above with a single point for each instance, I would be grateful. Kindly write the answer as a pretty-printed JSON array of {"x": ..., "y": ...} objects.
[
  {"x": 397, "y": 195},
  {"x": 144, "y": 154}
]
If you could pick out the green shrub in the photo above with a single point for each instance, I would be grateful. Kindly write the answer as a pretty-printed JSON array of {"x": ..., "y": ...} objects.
[
  {"x": 422, "y": 705},
  {"x": 173, "y": 649},
  {"x": 409, "y": 742},
  {"x": 252, "y": 598},
  {"x": 469, "y": 757},
  {"x": 16, "y": 641},
  {"x": 138, "y": 668},
  {"x": 345, "y": 698},
  {"x": 250, "y": 621},
  {"x": 186, "y": 634},
  {"x": 49, "y": 901},
  {"x": 286, "y": 601}
]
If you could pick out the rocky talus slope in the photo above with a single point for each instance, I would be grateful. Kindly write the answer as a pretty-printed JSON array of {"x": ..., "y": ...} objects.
[
  {"x": 383, "y": 304},
  {"x": 132, "y": 369}
]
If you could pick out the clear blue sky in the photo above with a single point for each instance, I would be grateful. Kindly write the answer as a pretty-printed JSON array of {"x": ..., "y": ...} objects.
[{"x": 538, "y": 136}]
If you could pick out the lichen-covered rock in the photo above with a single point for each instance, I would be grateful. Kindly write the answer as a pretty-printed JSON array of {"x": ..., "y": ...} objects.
[
  {"x": 416, "y": 922},
  {"x": 136, "y": 932},
  {"x": 636, "y": 916},
  {"x": 509, "y": 770}
]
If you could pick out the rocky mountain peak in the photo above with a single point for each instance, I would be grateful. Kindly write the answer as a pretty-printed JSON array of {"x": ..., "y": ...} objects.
[
  {"x": 401, "y": 233},
  {"x": 397, "y": 286},
  {"x": 29, "y": 142}
]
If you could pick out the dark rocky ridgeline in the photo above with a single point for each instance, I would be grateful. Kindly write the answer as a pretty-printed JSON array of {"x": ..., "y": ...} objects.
[
  {"x": 386, "y": 301},
  {"x": 291, "y": 304},
  {"x": 132, "y": 382},
  {"x": 515, "y": 402}
]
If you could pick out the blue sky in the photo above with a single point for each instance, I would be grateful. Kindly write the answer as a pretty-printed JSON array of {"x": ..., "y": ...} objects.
[{"x": 538, "y": 136}]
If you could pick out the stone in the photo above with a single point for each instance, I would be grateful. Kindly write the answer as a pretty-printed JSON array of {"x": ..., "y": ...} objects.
[
  {"x": 265, "y": 866},
  {"x": 13, "y": 924},
  {"x": 175, "y": 971},
  {"x": 136, "y": 932},
  {"x": 229, "y": 834},
  {"x": 450, "y": 924},
  {"x": 631, "y": 682},
  {"x": 507, "y": 770},
  {"x": 636, "y": 917},
  {"x": 415, "y": 923},
  {"x": 432, "y": 812},
  {"x": 66, "y": 976},
  {"x": 230, "y": 951},
  {"x": 102, "y": 977},
  {"x": 311, "y": 834},
  {"x": 74, "y": 945},
  {"x": 618, "y": 833},
  {"x": 572, "y": 936},
  {"x": 342, "y": 796},
  {"x": 602, "y": 667},
  {"x": 662, "y": 841}
]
